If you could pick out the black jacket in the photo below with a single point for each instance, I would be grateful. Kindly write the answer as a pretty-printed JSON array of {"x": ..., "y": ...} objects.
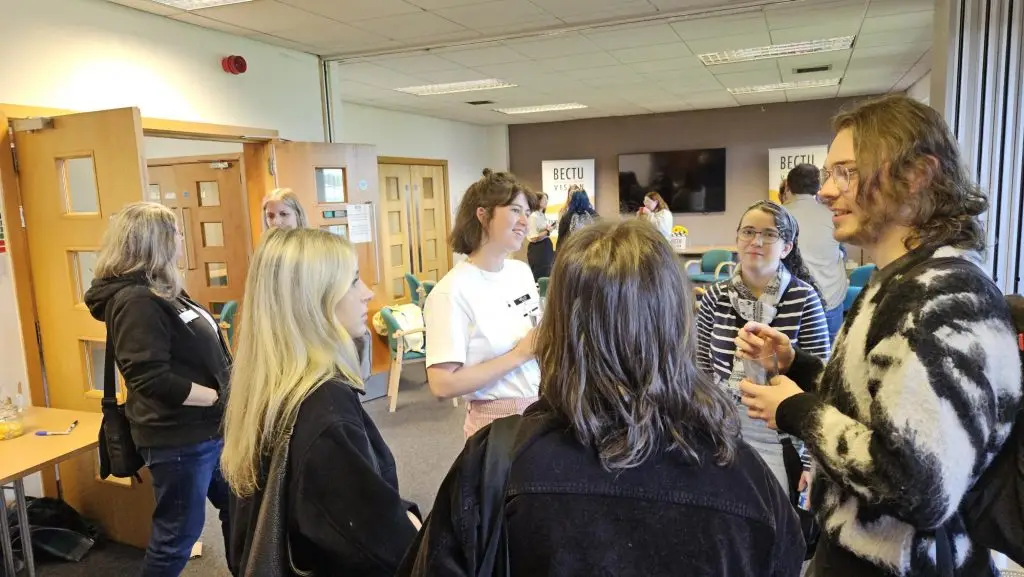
[
  {"x": 161, "y": 347},
  {"x": 567, "y": 516},
  {"x": 344, "y": 513}
]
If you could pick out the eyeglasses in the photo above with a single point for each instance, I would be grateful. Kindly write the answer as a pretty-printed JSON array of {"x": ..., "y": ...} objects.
[
  {"x": 747, "y": 234},
  {"x": 841, "y": 174}
]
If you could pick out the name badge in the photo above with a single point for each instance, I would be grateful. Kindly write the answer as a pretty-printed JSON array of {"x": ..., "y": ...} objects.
[{"x": 188, "y": 316}]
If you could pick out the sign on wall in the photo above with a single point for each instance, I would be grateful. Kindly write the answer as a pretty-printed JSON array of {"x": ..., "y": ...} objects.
[
  {"x": 559, "y": 175},
  {"x": 782, "y": 160}
]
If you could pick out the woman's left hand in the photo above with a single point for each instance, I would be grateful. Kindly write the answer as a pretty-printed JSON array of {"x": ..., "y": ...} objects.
[{"x": 763, "y": 401}]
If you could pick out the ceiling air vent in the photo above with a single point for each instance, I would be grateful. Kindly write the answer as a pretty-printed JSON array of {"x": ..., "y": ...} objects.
[
  {"x": 809, "y": 69},
  {"x": 480, "y": 102}
]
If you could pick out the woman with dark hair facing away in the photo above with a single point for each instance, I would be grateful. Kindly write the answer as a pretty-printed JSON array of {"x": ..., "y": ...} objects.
[
  {"x": 480, "y": 316},
  {"x": 656, "y": 211},
  {"x": 541, "y": 252},
  {"x": 578, "y": 213},
  {"x": 631, "y": 463},
  {"x": 772, "y": 286},
  {"x": 176, "y": 368}
]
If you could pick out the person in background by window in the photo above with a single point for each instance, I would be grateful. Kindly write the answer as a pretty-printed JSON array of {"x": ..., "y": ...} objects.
[
  {"x": 480, "y": 316},
  {"x": 343, "y": 513},
  {"x": 656, "y": 210},
  {"x": 281, "y": 209},
  {"x": 822, "y": 253},
  {"x": 578, "y": 213},
  {"x": 176, "y": 368},
  {"x": 541, "y": 252}
]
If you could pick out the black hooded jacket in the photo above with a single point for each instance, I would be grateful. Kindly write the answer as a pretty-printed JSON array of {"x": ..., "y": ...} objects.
[{"x": 161, "y": 347}]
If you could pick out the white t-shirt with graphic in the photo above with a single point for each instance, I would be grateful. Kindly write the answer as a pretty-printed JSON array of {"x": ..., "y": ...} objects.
[{"x": 473, "y": 316}]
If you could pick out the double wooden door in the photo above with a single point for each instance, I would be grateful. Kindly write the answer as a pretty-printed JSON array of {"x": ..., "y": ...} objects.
[
  {"x": 208, "y": 198},
  {"x": 415, "y": 234}
]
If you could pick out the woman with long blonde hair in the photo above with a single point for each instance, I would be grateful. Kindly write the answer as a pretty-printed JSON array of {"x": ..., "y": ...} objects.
[
  {"x": 282, "y": 209},
  {"x": 296, "y": 383},
  {"x": 175, "y": 366}
]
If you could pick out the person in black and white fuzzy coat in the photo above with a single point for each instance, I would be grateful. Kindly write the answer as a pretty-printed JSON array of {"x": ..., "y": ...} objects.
[{"x": 925, "y": 381}]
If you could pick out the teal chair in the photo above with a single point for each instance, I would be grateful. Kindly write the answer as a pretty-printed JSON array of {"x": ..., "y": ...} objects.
[
  {"x": 852, "y": 292},
  {"x": 414, "y": 288},
  {"x": 399, "y": 356},
  {"x": 425, "y": 287},
  {"x": 712, "y": 263},
  {"x": 542, "y": 286},
  {"x": 860, "y": 276},
  {"x": 227, "y": 322}
]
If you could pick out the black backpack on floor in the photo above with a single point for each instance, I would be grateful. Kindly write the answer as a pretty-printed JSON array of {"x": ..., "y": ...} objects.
[{"x": 993, "y": 510}]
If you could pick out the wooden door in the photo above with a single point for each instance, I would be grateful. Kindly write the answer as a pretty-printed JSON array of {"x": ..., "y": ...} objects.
[
  {"x": 335, "y": 184},
  {"x": 397, "y": 233},
  {"x": 430, "y": 206},
  {"x": 73, "y": 177},
  {"x": 207, "y": 196}
]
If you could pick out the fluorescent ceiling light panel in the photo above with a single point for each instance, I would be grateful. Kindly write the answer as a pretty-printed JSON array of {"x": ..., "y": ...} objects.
[
  {"x": 455, "y": 87},
  {"x": 542, "y": 108},
  {"x": 785, "y": 86},
  {"x": 777, "y": 50},
  {"x": 198, "y": 4}
]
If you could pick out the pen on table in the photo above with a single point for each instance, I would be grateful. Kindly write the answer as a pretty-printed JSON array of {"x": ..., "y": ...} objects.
[{"x": 53, "y": 433}]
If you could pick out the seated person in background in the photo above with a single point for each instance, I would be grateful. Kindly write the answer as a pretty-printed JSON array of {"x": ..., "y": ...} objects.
[
  {"x": 925, "y": 383},
  {"x": 541, "y": 252},
  {"x": 631, "y": 463},
  {"x": 281, "y": 209},
  {"x": 656, "y": 210},
  {"x": 297, "y": 380},
  {"x": 770, "y": 286},
  {"x": 822, "y": 253},
  {"x": 578, "y": 213},
  {"x": 480, "y": 316}
]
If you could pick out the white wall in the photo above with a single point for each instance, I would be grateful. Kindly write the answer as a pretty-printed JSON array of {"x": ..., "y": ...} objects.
[
  {"x": 921, "y": 90},
  {"x": 468, "y": 148}
]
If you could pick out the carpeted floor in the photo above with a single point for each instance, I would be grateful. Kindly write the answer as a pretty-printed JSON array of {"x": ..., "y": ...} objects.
[{"x": 424, "y": 434}]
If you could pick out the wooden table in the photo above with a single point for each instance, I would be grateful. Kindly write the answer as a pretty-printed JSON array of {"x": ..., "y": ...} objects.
[{"x": 30, "y": 454}]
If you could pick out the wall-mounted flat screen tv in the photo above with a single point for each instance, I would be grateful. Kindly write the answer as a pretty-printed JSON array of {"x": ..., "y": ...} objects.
[{"x": 689, "y": 180}]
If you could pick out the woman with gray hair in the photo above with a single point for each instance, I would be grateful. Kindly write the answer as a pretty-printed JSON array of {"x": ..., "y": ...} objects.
[
  {"x": 175, "y": 366},
  {"x": 771, "y": 285},
  {"x": 282, "y": 209}
]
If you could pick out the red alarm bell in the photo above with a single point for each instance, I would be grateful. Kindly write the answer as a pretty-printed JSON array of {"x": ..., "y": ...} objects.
[{"x": 234, "y": 64}]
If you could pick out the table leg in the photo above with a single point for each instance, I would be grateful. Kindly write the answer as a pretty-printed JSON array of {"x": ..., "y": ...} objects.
[
  {"x": 26, "y": 529},
  {"x": 5, "y": 537}
]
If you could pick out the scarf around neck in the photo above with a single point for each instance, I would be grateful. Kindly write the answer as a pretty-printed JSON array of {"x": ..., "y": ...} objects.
[{"x": 751, "y": 308}]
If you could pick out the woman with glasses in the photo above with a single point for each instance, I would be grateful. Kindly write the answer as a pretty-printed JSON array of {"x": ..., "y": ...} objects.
[{"x": 771, "y": 285}]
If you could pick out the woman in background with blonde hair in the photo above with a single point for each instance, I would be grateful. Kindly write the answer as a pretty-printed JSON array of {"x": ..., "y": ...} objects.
[
  {"x": 656, "y": 210},
  {"x": 342, "y": 512},
  {"x": 175, "y": 366},
  {"x": 282, "y": 209}
]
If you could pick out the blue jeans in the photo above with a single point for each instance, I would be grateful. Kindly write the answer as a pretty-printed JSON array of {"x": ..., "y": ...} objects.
[
  {"x": 834, "y": 320},
  {"x": 183, "y": 478}
]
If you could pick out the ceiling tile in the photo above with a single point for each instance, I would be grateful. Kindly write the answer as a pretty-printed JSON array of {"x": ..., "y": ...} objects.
[
  {"x": 655, "y": 66},
  {"x": 513, "y": 71},
  {"x": 544, "y": 25},
  {"x": 416, "y": 64},
  {"x": 817, "y": 32},
  {"x": 561, "y": 8},
  {"x": 733, "y": 42},
  {"x": 262, "y": 15},
  {"x": 205, "y": 22},
  {"x": 493, "y": 14},
  {"x": 751, "y": 66},
  {"x": 409, "y": 26},
  {"x": 812, "y": 93},
  {"x": 445, "y": 76},
  {"x": 749, "y": 79},
  {"x": 347, "y": 10},
  {"x": 435, "y": 4},
  {"x": 149, "y": 6},
  {"x": 579, "y": 61},
  {"x": 600, "y": 72},
  {"x": 649, "y": 53},
  {"x": 562, "y": 45},
  {"x": 800, "y": 15},
  {"x": 612, "y": 80},
  {"x": 897, "y": 22},
  {"x": 283, "y": 43},
  {"x": 760, "y": 98},
  {"x": 491, "y": 55},
  {"x": 699, "y": 28},
  {"x": 710, "y": 99},
  {"x": 376, "y": 76},
  {"x": 330, "y": 33},
  {"x": 889, "y": 7},
  {"x": 687, "y": 86},
  {"x": 633, "y": 36},
  {"x": 908, "y": 36}
]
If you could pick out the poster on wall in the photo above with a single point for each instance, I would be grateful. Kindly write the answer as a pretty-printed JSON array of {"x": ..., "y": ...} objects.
[
  {"x": 559, "y": 175},
  {"x": 782, "y": 160}
]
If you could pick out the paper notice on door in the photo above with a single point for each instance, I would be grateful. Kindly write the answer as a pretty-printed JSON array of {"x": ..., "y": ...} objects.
[{"x": 360, "y": 228}]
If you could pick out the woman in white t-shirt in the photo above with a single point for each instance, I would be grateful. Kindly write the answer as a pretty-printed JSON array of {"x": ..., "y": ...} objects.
[
  {"x": 656, "y": 210},
  {"x": 480, "y": 316}
]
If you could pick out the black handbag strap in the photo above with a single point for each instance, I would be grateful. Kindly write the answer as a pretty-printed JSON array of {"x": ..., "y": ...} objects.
[
  {"x": 109, "y": 383},
  {"x": 498, "y": 458},
  {"x": 943, "y": 553}
]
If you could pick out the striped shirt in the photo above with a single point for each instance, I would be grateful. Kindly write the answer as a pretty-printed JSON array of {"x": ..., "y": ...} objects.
[{"x": 800, "y": 316}]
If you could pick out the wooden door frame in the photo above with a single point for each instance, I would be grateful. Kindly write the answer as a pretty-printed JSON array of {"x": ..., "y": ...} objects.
[
  {"x": 447, "y": 196},
  {"x": 198, "y": 159},
  {"x": 17, "y": 236}
]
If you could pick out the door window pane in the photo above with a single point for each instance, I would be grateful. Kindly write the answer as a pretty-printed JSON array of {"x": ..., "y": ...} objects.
[
  {"x": 83, "y": 266},
  {"x": 398, "y": 288},
  {"x": 391, "y": 189},
  {"x": 430, "y": 249},
  {"x": 153, "y": 194},
  {"x": 213, "y": 234},
  {"x": 330, "y": 185},
  {"x": 209, "y": 193},
  {"x": 395, "y": 222},
  {"x": 396, "y": 255},
  {"x": 428, "y": 188},
  {"x": 217, "y": 274},
  {"x": 78, "y": 184},
  {"x": 428, "y": 219},
  {"x": 338, "y": 229},
  {"x": 94, "y": 354}
]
